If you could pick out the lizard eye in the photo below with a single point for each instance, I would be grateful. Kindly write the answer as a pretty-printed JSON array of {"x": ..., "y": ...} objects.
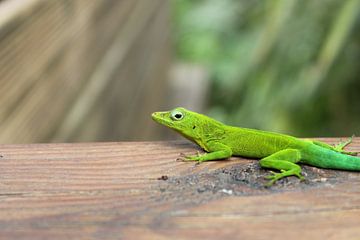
[{"x": 176, "y": 115}]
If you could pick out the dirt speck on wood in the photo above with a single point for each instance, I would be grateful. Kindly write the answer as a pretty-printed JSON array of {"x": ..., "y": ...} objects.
[{"x": 163, "y": 177}]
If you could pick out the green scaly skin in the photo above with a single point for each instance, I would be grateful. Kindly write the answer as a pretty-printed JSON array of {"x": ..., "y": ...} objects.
[{"x": 276, "y": 151}]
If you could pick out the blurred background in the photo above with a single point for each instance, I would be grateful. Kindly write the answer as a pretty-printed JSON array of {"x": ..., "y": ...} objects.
[{"x": 81, "y": 71}]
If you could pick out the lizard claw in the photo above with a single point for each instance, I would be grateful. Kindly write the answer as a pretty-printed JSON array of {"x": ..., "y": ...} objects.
[
  {"x": 182, "y": 158},
  {"x": 179, "y": 159},
  {"x": 301, "y": 177},
  {"x": 185, "y": 158},
  {"x": 269, "y": 183},
  {"x": 273, "y": 177}
]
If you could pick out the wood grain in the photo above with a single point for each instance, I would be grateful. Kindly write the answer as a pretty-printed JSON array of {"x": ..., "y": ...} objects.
[{"x": 136, "y": 190}]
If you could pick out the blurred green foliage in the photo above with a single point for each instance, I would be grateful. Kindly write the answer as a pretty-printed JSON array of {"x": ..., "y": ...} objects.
[{"x": 291, "y": 66}]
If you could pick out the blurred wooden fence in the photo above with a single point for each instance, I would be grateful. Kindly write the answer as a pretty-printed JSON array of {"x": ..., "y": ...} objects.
[{"x": 81, "y": 70}]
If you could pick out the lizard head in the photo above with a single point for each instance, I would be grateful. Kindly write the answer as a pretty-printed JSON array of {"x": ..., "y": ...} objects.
[{"x": 181, "y": 120}]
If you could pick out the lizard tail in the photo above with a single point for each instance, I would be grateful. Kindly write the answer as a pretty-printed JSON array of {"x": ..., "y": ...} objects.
[{"x": 325, "y": 158}]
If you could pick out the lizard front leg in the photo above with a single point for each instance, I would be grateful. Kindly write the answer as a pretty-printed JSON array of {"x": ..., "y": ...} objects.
[
  {"x": 217, "y": 151},
  {"x": 285, "y": 161}
]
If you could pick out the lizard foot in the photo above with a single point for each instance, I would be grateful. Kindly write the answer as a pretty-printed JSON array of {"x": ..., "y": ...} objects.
[
  {"x": 340, "y": 147},
  {"x": 185, "y": 158},
  {"x": 273, "y": 177}
]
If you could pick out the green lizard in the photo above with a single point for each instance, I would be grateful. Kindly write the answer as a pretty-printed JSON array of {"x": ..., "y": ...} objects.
[{"x": 276, "y": 151}]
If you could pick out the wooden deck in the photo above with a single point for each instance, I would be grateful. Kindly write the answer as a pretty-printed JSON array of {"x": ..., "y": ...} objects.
[{"x": 136, "y": 190}]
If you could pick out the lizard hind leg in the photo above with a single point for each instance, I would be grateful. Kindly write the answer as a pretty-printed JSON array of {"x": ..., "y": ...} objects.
[
  {"x": 284, "y": 161},
  {"x": 338, "y": 147},
  {"x": 341, "y": 145}
]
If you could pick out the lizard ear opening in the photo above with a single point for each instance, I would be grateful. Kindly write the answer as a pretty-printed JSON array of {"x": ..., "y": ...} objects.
[{"x": 176, "y": 115}]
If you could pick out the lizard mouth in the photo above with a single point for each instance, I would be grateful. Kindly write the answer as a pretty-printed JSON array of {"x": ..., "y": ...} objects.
[{"x": 160, "y": 117}]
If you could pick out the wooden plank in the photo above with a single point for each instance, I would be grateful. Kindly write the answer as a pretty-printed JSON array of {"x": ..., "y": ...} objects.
[{"x": 136, "y": 190}]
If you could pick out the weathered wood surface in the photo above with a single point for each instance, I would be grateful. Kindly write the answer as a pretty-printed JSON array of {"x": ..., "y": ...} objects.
[
  {"x": 69, "y": 70},
  {"x": 136, "y": 190}
]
